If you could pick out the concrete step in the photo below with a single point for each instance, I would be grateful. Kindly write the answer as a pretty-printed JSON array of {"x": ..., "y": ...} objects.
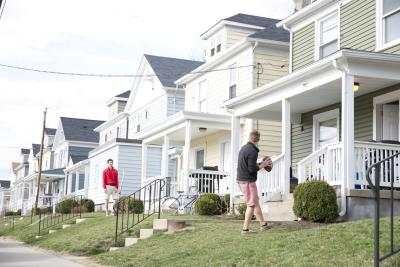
[
  {"x": 66, "y": 226},
  {"x": 114, "y": 248},
  {"x": 174, "y": 225},
  {"x": 160, "y": 224},
  {"x": 130, "y": 241},
  {"x": 146, "y": 233},
  {"x": 280, "y": 210},
  {"x": 78, "y": 221},
  {"x": 52, "y": 231}
]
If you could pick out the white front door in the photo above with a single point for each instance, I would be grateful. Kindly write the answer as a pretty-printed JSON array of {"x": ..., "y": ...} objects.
[
  {"x": 390, "y": 119},
  {"x": 225, "y": 156}
]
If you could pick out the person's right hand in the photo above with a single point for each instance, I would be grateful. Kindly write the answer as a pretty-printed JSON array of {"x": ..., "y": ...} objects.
[{"x": 263, "y": 164}]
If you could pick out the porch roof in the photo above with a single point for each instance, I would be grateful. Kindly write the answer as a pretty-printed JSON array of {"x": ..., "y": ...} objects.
[
  {"x": 175, "y": 126},
  {"x": 316, "y": 85}
]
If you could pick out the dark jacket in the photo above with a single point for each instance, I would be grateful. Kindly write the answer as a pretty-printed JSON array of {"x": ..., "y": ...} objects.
[{"x": 247, "y": 163}]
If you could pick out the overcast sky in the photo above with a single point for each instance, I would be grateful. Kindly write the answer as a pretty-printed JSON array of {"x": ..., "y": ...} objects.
[{"x": 93, "y": 36}]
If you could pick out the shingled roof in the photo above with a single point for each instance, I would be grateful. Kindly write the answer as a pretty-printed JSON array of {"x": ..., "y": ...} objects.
[
  {"x": 80, "y": 129},
  {"x": 35, "y": 149},
  {"x": 76, "y": 159},
  {"x": 168, "y": 70},
  {"x": 252, "y": 20},
  {"x": 25, "y": 151},
  {"x": 5, "y": 183},
  {"x": 50, "y": 131},
  {"x": 124, "y": 94}
]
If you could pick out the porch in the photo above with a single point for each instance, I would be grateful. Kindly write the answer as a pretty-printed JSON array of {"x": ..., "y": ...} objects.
[{"x": 331, "y": 112}]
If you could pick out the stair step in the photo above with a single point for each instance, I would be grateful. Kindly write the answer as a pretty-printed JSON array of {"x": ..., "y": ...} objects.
[
  {"x": 130, "y": 241},
  {"x": 160, "y": 224},
  {"x": 280, "y": 210},
  {"x": 52, "y": 231},
  {"x": 174, "y": 225},
  {"x": 66, "y": 226},
  {"x": 146, "y": 233},
  {"x": 114, "y": 248},
  {"x": 78, "y": 221}
]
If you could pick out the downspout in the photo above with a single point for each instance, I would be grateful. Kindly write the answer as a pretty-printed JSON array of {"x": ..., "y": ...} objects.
[
  {"x": 252, "y": 84},
  {"x": 232, "y": 170},
  {"x": 290, "y": 45},
  {"x": 343, "y": 185}
]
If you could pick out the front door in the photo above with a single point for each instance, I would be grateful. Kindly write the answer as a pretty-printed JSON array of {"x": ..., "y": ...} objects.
[
  {"x": 225, "y": 156},
  {"x": 390, "y": 121}
]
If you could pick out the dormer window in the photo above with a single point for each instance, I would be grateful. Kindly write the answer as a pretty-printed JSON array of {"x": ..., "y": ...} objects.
[
  {"x": 232, "y": 80},
  {"x": 328, "y": 35},
  {"x": 215, "y": 45}
]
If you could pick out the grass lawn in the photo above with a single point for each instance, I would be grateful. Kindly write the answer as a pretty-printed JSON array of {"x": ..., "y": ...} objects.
[{"x": 217, "y": 242}]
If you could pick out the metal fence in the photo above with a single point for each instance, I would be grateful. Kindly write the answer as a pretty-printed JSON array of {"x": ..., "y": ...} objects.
[{"x": 383, "y": 169}]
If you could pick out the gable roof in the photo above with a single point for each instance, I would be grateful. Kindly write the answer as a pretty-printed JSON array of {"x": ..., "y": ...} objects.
[
  {"x": 25, "y": 151},
  {"x": 252, "y": 20},
  {"x": 5, "y": 183},
  {"x": 80, "y": 129},
  {"x": 76, "y": 159},
  {"x": 50, "y": 131},
  {"x": 35, "y": 149},
  {"x": 168, "y": 70},
  {"x": 272, "y": 33},
  {"x": 124, "y": 94}
]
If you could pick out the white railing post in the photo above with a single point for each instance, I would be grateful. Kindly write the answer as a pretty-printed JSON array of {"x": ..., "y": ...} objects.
[
  {"x": 186, "y": 156},
  {"x": 286, "y": 145},
  {"x": 235, "y": 146},
  {"x": 165, "y": 157},
  {"x": 144, "y": 163}
]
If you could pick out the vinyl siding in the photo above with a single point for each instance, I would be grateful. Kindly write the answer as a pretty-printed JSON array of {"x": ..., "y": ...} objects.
[
  {"x": 154, "y": 158},
  {"x": 130, "y": 168},
  {"x": 235, "y": 35},
  {"x": 270, "y": 68},
  {"x": 271, "y": 137},
  {"x": 303, "y": 48},
  {"x": 175, "y": 104},
  {"x": 393, "y": 50},
  {"x": 363, "y": 127}
]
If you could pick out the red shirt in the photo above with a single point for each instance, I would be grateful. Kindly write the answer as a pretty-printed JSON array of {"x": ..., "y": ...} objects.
[{"x": 110, "y": 177}]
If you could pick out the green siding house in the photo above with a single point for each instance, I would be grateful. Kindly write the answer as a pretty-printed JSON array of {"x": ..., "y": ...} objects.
[{"x": 339, "y": 105}]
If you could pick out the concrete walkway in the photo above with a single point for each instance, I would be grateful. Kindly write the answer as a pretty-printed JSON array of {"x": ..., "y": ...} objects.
[{"x": 17, "y": 254}]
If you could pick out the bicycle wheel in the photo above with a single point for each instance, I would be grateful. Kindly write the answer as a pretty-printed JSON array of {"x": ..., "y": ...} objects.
[{"x": 171, "y": 203}]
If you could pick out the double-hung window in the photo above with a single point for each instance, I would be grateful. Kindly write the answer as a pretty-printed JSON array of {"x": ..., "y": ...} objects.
[
  {"x": 390, "y": 21},
  {"x": 232, "y": 80},
  {"x": 202, "y": 96},
  {"x": 328, "y": 35}
]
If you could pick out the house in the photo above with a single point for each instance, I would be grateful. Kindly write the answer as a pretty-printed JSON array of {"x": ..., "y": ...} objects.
[
  {"x": 153, "y": 98},
  {"x": 339, "y": 105},
  {"x": 4, "y": 196},
  {"x": 242, "y": 52}
]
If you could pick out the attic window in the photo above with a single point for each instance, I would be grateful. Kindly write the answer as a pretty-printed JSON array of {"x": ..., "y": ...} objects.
[{"x": 215, "y": 45}]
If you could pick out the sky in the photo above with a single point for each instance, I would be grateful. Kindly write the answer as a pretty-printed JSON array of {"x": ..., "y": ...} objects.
[{"x": 93, "y": 36}]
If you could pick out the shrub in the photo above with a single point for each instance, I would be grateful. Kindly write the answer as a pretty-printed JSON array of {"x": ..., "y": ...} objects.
[
  {"x": 315, "y": 201},
  {"x": 226, "y": 200},
  {"x": 135, "y": 205},
  {"x": 208, "y": 204},
  {"x": 10, "y": 213},
  {"x": 88, "y": 204},
  {"x": 18, "y": 212},
  {"x": 78, "y": 209},
  {"x": 241, "y": 210},
  {"x": 66, "y": 206}
]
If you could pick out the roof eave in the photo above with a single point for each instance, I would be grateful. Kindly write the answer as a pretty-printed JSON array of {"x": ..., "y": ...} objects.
[
  {"x": 270, "y": 42},
  {"x": 110, "y": 122},
  {"x": 223, "y": 23}
]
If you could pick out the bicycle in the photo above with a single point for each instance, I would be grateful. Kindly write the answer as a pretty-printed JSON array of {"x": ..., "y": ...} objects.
[{"x": 183, "y": 203}]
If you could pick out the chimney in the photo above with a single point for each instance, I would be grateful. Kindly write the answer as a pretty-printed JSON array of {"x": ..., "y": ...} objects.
[{"x": 298, "y": 4}]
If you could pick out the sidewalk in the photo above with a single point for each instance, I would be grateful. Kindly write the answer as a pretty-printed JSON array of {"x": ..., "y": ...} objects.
[{"x": 17, "y": 254}]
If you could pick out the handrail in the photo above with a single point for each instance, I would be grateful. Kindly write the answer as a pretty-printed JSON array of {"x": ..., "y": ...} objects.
[{"x": 376, "y": 190}]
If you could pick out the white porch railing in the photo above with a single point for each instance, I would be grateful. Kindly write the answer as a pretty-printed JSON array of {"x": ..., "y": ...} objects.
[
  {"x": 209, "y": 181},
  {"x": 171, "y": 184},
  {"x": 325, "y": 164},
  {"x": 271, "y": 182}
]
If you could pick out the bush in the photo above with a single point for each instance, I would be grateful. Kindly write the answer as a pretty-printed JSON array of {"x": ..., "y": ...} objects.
[
  {"x": 226, "y": 200},
  {"x": 241, "y": 211},
  {"x": 135, "y": 205},
  {"x": 88, "y": 204},
  {"x": 208, "y": 204},
  {"x": 315, "y": 201},
  {"x": 10, "y": 213},
  {"x": 66, "y": 206},
  {"x": 18, "y": 212}
]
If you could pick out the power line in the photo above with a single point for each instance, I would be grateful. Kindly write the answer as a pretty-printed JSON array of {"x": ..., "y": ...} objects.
[
  {"x": 2, "y": 9},
  {"x": 99, "y": 75}
]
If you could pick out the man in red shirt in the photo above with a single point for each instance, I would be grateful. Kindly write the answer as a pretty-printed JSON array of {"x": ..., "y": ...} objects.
[{"x": 110, "y": 184}]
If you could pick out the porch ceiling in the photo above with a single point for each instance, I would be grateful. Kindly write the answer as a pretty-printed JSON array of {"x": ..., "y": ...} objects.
[{"x": 321, "y": 96}]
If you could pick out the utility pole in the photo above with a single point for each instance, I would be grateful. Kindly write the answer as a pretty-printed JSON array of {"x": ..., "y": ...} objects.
[{"x": 40, "y": 160}]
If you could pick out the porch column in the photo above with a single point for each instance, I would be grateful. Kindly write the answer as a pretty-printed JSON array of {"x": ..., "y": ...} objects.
[
  {"x": 286, "y": 146},
  {"x": 69, "y": 184},
  {"x": 347, "y": 170},
  {"x": 186, "y": 157},
  {"x": 235, "y": 146},
  {"x": 144, "y": 163},
  {"x": 165, "y": 157},
  {"x": 65, "y": 189},
  {"x": 76, "y": 181},
  {"x": 86, "y": 186}
]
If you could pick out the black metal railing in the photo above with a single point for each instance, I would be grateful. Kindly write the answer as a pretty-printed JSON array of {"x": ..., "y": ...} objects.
[
  {"x": 383, "y": 169},
  {"x": 138, "y": 206},
  {"x": 62, "y": 211}
]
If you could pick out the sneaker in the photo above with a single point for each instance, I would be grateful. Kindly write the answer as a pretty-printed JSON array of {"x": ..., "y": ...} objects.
[
  {"x": 247, "y": 232},
  {"x": 107, "y": 214},
  {"x": 265, "y": 227}
]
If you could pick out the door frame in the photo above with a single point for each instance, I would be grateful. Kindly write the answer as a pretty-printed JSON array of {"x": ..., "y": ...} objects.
[
  {"x": 221, "y": 151},
  {"x": 377, "y": 120},
  {"x": 324, "y": 116}
]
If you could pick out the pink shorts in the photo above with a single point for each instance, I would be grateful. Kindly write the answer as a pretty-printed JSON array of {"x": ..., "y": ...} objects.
[{"x": 250, "y": 193}]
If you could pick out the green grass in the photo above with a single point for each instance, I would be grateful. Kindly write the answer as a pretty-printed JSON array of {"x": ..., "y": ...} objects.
[{"x": 217, "y": 242}]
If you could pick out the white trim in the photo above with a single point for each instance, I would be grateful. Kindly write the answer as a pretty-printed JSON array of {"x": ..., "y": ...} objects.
[
  {"x": 223, "y": 23},
  {"x": 196, "y": 149},
  {"x": 223, "y": 140},
  {"x": 378, "y": 101},
  {"x": 317, "y": 27},
  {"x": 380, "y": 31},
  {"x": 320, "y": 117}
]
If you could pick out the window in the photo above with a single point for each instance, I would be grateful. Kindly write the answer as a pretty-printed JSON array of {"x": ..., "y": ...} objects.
[
  {"x": 73, "y": 183},
  {"x": 202, "y": 96},
  {"x": 146, "y": 114},
  {"x": 232, "y": 80},
  {"x": 81, "y": 183},
  {"x": 390, "y": 20},
  {"x": 328, "y": 35},
  {"x": 215, "y": 45},
  {"x": 212, "y": 50},
  {"x": 117, "y": 132},
  {"x": 325, "y": 129},
  {"x": 199, "y": 158}
]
